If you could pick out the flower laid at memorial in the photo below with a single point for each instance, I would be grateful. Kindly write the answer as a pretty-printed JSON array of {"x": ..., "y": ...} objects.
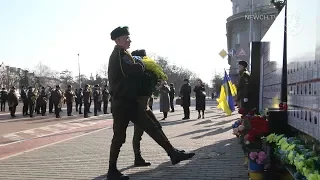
[{"x": 293, "y": 152}]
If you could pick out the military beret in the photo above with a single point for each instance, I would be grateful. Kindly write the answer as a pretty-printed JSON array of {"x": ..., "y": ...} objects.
[
  {"x": 30, "y": 87},
  {"x": 42, "y": 87},
  {"x": 140, "y": 53},
  {"x": 97, "y": 85},
  {"x": 80, "y": 89},
  {"x": 57, "y": 86},
  {"x": 119, "y": 31},
  {"x": 87, "y": 85},
  {"x": 13, "y": 87},
  {"x": 243, "y": 63}
]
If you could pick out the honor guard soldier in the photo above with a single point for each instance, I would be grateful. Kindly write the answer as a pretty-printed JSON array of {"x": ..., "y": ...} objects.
[
  {"x": 69, "y": 99},
  {"x": 86, "y": 100},
  {"x": 3, "y": 98},
  {"x": 80, "y": 100},
  {"x": 24, "y": 98},
  {"x": 105, "y": 98},
  {"x": 50, "y": 100},
  {"x": 43, "y": 101},
  {"x": 124, "y": 78},
  {"x": 57, "y": 99},
  {"x": 31, "y": 100},
  {"x": 97, "y": 98},
  {"x": 243, "y": 85},
  {"x": 76, "y": 99},
  {"x": 12, "y": 101}
]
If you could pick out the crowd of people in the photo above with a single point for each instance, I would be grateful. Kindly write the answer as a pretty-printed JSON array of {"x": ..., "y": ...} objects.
[{"x": 35, "y": 101}]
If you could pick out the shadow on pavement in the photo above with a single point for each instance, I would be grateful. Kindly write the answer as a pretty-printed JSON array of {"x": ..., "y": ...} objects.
[
  {"x": 212, "y": 133},
  {"x": 194, "y": 132},
  {"x": 220, "y": 160}
]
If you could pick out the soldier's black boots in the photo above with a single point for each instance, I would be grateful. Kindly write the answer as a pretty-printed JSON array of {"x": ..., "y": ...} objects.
[
  {"x": 140, "y": 162},
  {"x": 178, "y": 156},
  {"x": 116, "y": 175}
]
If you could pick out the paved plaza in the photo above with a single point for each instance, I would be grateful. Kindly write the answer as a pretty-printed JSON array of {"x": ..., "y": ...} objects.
[{"x": 218, "y": 154}]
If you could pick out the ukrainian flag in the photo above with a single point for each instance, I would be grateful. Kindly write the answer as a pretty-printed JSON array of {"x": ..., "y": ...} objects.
[{"x": 228, "y": 90}]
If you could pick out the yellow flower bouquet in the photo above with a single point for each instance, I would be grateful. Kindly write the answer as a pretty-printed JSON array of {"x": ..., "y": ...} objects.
[
  {"x": 153, "y": 73},
  {"x": 154, "y": 68}
]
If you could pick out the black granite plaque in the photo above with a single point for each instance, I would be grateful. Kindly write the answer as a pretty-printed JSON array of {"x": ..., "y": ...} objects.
[{"x": 272, "y": 60}]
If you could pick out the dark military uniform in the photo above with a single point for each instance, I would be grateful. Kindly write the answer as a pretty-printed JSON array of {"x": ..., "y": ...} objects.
[
  {"x": 243, "y": 86},
  {"x": 76, "y": 100},
  {"x": 12, "y": 102},
  {"x": 24, "y": 98},
  {"x": 86, "y": 101},
  {"x": 185, "y": 93},
  {"x": 50, "y": 100},
  {"x": 4, "y": 98},
  {"x": 69, "y": 100},
  {"x": 124, "y": 80},
  {"x": 97, "y": 98},
  {"x": 57, "y": 100},
  {"x": 43, "y": 101},
  {"x": 105, "y": 98},
  {"x": 31, "y": 100},
  {"x": 79, "y": 100}
]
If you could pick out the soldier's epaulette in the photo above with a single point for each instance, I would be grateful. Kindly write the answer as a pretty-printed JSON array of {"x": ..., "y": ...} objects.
[{"x": 247, "y": 73}]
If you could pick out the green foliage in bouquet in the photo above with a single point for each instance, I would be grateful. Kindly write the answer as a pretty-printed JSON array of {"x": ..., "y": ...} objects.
[
  {"x": 153, "y": 73},
  {"x": 292, "y": 151}
]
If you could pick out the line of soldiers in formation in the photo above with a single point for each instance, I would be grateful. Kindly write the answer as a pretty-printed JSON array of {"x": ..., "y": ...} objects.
[{"x": 35, "y": 101}]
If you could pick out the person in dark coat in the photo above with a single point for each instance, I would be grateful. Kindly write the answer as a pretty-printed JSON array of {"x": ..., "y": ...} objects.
[
  {"x": 69, "y": 99},
  {"x": 124, "y": 80},
  {"x": 76, "y": 99},
  {"x": 4, "y": 98},
  {"x": 172, "y": 94},
  {"x": 12, "y": 101},
  {"x": 105, "y": 97},
  {"x": 185, "y": 94},
  {"x": 86, "y": 100},
  {"x": 243, "y": 86},
  {"x": 32, "y": 97},
  {"x": 24, "y": 99},
  {"x": 57, "y": 99},
  {"x": 50, "y": 100},
  {"x": 164, "y": 99},
  {"x": 97, "y": 98},
  {"x": 80, "y": 100},
  {"x": 200, "y": 92},
  {"x": 43, "y": 96}
]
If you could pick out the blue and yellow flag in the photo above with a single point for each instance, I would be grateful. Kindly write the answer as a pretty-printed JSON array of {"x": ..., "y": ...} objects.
[{"x": 228, "y": 90}]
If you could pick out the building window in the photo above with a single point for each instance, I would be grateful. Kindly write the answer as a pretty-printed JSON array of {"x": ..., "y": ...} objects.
[
  {"x": 238, "y": 38},
  {"x": 236, "y": 9}
]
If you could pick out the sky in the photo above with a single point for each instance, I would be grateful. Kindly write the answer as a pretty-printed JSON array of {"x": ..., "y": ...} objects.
[{"x": 189, "y": 33}]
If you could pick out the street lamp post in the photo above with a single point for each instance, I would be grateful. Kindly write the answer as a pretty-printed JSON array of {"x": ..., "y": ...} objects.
[{"x": 79, "y": 70}]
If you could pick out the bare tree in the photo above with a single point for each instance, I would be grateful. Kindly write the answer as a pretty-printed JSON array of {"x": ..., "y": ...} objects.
[
  {"x": 66, "y": 78},
  {"x": 103, "y": 71},
  {"x": 42, "y": 70}
]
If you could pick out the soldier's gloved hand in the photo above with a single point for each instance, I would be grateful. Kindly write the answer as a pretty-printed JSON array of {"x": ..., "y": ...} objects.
[{"x": 245, "y": 100}]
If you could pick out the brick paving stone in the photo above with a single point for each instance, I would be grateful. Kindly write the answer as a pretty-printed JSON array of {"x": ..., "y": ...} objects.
[{"x": 218, "y": 154}]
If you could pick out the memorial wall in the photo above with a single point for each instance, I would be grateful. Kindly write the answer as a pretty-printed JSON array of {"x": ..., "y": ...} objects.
[
  {"x": 272, "y": 63},
  {"x": 303, "y": 65}
]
